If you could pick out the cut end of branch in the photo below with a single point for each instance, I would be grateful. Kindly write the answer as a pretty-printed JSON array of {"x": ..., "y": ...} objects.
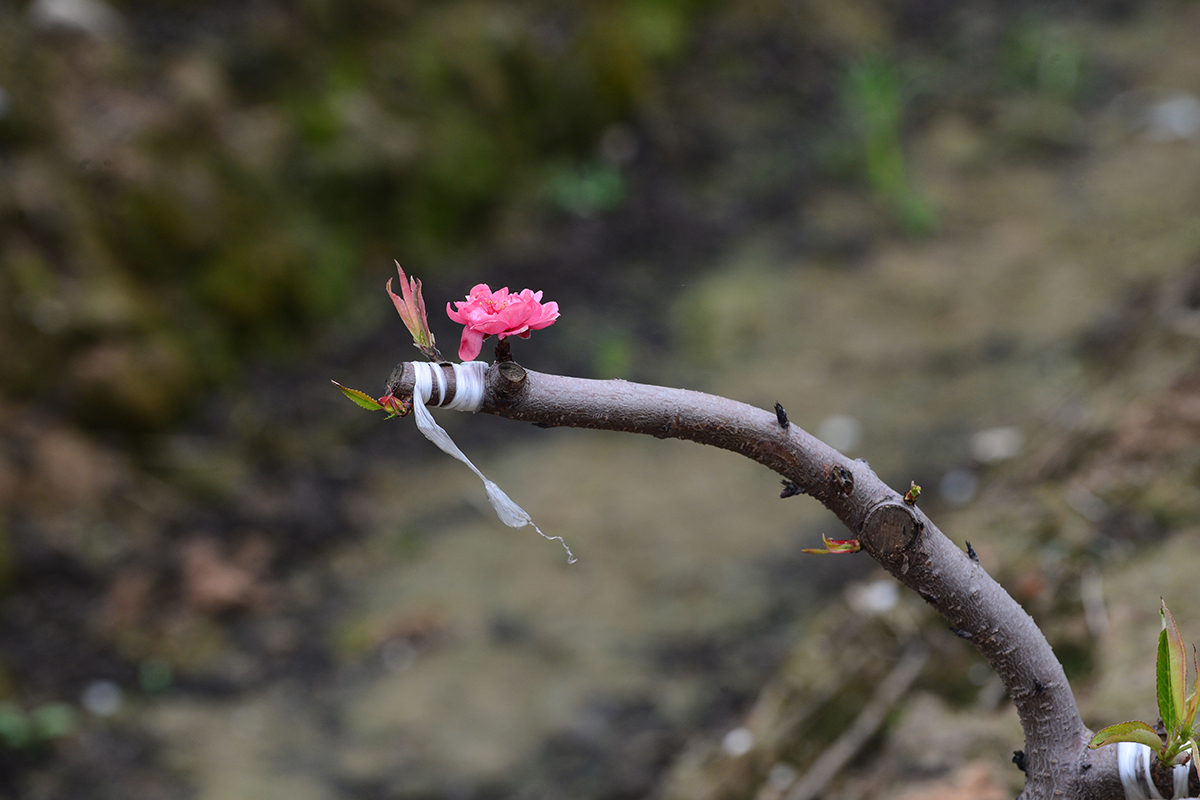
[{"x": 890, "y": 530}]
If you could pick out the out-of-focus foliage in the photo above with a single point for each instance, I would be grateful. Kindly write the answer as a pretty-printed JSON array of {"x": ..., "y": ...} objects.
[
  {"x": 874, "y": 100},
  {"x": 1043, "y": 72},
  {"x": 1038, "y": 57},
  {"x": 19, "y": 729},
  {"x": 874, "y": 96},
  {"x": 182, "y": 184}
]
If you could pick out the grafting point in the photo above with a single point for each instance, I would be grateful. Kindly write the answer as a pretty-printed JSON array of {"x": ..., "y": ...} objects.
[
  {"x": 509, "y": 512},
  {"x": 394, "y": 380}
]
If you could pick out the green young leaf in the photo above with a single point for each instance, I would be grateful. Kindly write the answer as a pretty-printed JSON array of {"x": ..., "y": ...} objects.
[
  {"x": 1171, "y": 677},
  {"x": 835, "y": 546},
  {"x": 1133, "y": 731},
  {"x": 1193, "y": 701},
  {"x": 361, "y": 398}
]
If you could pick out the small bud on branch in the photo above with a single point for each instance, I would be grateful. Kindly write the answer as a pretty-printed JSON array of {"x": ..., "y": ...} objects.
[{"x": 411, "y": 308}]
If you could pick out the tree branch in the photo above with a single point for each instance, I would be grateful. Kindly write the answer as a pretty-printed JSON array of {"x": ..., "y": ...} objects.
[{"x": 899, "y": 536}]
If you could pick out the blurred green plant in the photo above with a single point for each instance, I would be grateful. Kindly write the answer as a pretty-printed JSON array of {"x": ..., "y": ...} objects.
[
  {"x": 1047, "y": 69},
  {"x": 586, "y": 190},
  {"x": 873, "y": 101},
  {"x": 1036, "y": 57},
  {"x": 613, "y": 354},
  {"x": 20, "y": 730},
  {"x": 260, "y": 172},
  {"x": 155, "y": 675},
  {"x": 1176, "y": 706}
]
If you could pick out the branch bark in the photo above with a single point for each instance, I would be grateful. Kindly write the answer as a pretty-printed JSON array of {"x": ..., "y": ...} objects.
[{"x": 900, "y": 537}]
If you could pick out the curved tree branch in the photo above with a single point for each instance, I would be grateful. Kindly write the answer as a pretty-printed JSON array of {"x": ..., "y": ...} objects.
[{"x": 899, "y": 536}]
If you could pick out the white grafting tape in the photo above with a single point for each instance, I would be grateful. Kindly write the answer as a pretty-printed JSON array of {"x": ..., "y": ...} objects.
[
  {"x": 1133, "y": 766},
  {"x": 469, "y": 389},
  {"x": 469, "y": 385},
  {"x": 438, "y": 376}
]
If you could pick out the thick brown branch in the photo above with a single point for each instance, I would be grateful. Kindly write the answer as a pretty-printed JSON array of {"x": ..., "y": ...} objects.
[{"x": 898, "y": 536}]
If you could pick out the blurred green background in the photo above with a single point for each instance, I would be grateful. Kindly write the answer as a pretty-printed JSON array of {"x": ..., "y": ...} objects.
[
  {"x": 958, "y": 239},
  {"x": 189, "y": 186}
]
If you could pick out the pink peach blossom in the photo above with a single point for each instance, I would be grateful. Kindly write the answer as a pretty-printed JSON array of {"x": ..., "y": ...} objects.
[{"x": 486, "y": 313}]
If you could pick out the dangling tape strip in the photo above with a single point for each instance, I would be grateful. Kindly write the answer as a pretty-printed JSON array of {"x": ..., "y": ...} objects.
[
  {"x": 468, "y": 396},
  {"x": 1133, "y": 766}
]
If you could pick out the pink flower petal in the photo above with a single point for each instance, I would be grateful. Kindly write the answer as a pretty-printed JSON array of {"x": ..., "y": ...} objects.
[
  {"x": 500, "y": 313},
  {"x": 471, "y": 344}
]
